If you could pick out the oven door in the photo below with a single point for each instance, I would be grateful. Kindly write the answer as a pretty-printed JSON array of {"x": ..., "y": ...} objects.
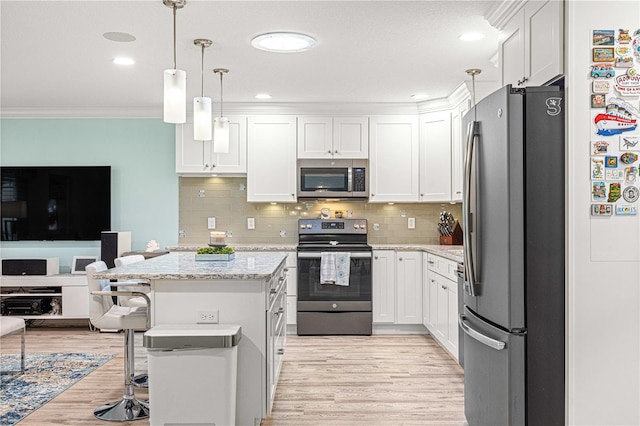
[{"x": 310, "y": 289}]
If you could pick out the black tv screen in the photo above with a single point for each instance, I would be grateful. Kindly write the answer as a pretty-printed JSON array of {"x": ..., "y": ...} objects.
[{"x": 55, "y": 203}]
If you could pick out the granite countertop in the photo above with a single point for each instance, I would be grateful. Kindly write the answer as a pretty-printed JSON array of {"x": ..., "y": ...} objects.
[
  {"x": 240, "y": 247},
  {"x": 183, "y": 266},
  {"x": 454, "y": 253}
]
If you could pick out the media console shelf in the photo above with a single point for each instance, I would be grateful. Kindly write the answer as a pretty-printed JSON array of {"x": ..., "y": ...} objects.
[{"x": 70, "y": 289}]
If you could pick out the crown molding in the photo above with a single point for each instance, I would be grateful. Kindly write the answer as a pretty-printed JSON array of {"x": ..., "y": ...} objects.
[
  {"x": 231, "y": 108},
  {"x": 501, "y": 11}
]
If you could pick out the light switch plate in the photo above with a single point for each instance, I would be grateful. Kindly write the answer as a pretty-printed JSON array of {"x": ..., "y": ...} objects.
[
  {"x": 251, "y": 223},
  {"x": 411, "y": 223},
  {"x": 211, "y": 223}
]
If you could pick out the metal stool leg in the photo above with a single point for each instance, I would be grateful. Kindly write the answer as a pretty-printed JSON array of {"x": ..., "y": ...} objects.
[{"x": 129, "y": 407}]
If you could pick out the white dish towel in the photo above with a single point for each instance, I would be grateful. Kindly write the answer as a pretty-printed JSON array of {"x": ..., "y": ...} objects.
[
  {"x": 343, "y": 264},
  {"x": 328, "y": 268}
]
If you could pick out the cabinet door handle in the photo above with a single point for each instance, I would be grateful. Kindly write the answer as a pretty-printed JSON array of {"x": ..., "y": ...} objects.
[
  {"x": 329, "y": 152},
  {"x": 280, "y": 351},
  {"x": 444, "y": 287},
  {"x": 400, "y": 259},
  {"x": 375, "y": 257},
  {"x": 431, "y": 262},
  {"x": 336, "y": 151},
  {"x": 273, "y": 291}
]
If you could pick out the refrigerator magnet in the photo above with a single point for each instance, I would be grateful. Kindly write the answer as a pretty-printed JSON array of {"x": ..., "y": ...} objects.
[
  {"x": 629, "y": 143},
  {"x": 598, "y": 191},
  {"x": 631, "y": 194},
  {"x": 603, "y": 37},
  {"x": 601, "y": 209},
  {"x": 614, "y": 174},
  {"x": 600, "y": 147},
  {"x": 601, "y": 86},
  {"x": 597, "y": 168},
  {"x": 626, "y": 210},
  {"x": 603, "y": 54},
  {"x": 610, "y": 161},
  {"x": 630, "y": 174},
  {"x": 629, "y": 157},
  {"x": 598, "y": 100},
  {"x": 614, "y": 192},
  {"x": 623, "y": 36},
  {"x": 623, "y": 62},
  {"x": 627, "y": 85}
]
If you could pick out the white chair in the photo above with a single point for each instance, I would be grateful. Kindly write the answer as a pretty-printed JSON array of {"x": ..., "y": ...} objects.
[
  {"x": 14, "y": 325},
  {"x": 103, "y": 314},
  {"x": 137, "y": 285}
]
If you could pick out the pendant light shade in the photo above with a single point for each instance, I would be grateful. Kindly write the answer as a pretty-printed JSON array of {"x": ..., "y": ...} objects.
[
  {"x": 202, "y": 128},
  {"x": 221, "y": 124},
  {"x": 175, "y": 96},
  {"x": 175, "y": 80},
  {"x": 221, "y": 135}
]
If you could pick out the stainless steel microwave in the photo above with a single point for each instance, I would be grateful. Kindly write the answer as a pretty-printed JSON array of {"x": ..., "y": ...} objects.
[{"x": 333, "y": 179}]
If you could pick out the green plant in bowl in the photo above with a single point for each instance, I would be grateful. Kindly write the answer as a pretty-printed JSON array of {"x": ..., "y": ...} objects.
[{"x": 215, "y": 250}]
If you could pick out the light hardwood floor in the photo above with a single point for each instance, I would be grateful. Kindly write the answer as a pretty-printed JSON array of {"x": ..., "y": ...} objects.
[{"x": 378, "y": 380}]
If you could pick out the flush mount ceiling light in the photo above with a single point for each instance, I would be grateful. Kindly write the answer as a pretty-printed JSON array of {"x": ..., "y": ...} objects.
[
  {"x": 263, "y": 96},
  {"x": 123, "y": 61},
  {"x": 283, "y": 42},
  {"x": 471, "y": 36},
  {"x": 221, "y": 124},
  {"x": 175, "y": 80},
  {"x": 202, "y": 130}
]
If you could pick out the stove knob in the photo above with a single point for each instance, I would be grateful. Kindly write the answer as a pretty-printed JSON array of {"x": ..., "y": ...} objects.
[
  {"x": 309, "y": 226},
  {"x": 302, "y": 226},
  {"x": 356, "y": 226}
]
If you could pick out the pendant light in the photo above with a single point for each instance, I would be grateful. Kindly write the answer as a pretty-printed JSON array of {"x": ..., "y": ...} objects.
[
  {"x": 202, "y": 129},
  {"x": 175, "y": 80},
  {"x": 221, "y": 124}
]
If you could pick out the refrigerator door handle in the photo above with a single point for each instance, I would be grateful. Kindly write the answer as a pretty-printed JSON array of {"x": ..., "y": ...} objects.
[
  {"x": 485, "y": 340},
  {"x": 469, "y": 255}
]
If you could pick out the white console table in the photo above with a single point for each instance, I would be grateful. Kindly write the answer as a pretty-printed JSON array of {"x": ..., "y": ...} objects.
[{"x": 73, "y": 294}]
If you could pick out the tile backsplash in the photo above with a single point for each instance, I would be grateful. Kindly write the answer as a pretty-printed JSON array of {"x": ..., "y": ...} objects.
[{"x": 225, "y": 199}]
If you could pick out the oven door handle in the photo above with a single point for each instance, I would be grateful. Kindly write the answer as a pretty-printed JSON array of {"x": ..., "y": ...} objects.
[{"x": 317, "y": 255}]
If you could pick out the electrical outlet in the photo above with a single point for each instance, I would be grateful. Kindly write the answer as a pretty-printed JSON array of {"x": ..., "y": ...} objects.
[
  {"x": 207, "y": 317},
  {"x": 376, "y": 226},
  {"x": 251, "y": 223},
  {"x": 211, "y": 223},
  {"x": 411, "y": 223}
]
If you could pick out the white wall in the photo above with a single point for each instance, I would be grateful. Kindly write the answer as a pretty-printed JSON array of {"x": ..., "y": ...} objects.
[{"x": 603, "y": 324}]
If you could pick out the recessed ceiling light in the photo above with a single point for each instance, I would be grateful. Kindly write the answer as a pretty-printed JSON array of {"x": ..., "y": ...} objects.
[
  {"x": 471, "y": 36},
  {"x": 419, "y": 96},
  {"x": 123, "y": 61},
  {"x": 283, "y": 42},
  {"x": 263, "y": 96},
  {"x": 120, "y": 37}
]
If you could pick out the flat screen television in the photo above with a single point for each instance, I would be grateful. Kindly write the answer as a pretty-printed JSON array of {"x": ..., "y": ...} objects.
[{"x": 55, "y": 203}]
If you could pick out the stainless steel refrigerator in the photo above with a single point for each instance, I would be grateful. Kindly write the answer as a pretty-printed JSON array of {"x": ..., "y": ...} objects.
[{"x": 514, "y": 290}]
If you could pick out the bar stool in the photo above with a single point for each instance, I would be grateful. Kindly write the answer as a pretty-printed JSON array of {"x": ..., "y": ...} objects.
[{"x": 103, "y": 314}]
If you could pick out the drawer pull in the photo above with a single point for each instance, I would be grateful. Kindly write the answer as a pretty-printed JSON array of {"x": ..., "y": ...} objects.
[{"x": 280, "y": 351}]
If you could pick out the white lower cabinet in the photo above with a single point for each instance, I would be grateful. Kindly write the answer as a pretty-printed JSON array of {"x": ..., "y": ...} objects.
[
  {"x": 292, "y": 288},
  {"x": 384, "y": 286},
  {"x": 442, "y": 302},
  {"x": 409, "y": 287}
]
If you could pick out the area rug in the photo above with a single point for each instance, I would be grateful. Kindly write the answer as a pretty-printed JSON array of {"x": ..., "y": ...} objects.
[{"x": 45, "y": 376}]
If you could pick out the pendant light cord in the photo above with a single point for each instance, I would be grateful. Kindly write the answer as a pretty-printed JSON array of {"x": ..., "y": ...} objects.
[
  {"x": 202, "y": 74},
  {"x": 221, "y": 114},
  {"x": 175, "y": 62}
]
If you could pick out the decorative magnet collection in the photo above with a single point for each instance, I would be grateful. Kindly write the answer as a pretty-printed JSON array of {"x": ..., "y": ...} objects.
[{"x": 615, "y": 110}]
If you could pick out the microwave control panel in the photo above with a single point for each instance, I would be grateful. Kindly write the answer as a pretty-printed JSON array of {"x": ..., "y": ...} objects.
[{"x": 359, "y": 179}]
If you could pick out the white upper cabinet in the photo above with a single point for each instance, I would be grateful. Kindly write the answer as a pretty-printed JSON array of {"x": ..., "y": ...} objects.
[
  {"x": 333, "y": 137},
  {"x": 435, "y": 156},
  {"x": 271, "y": 162},
  {"x": 458, "y": 138},
  {"x": 532, "y": 44},
  {"x": 393, "y": 158},
  {"x": 197, "y": 157}
]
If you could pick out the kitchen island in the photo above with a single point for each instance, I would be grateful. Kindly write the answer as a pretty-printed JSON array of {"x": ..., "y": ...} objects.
[{"x": 249, "y": 290}]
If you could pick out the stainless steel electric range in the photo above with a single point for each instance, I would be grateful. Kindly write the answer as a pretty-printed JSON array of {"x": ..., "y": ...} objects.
[{"x": 326, "y": 308}]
